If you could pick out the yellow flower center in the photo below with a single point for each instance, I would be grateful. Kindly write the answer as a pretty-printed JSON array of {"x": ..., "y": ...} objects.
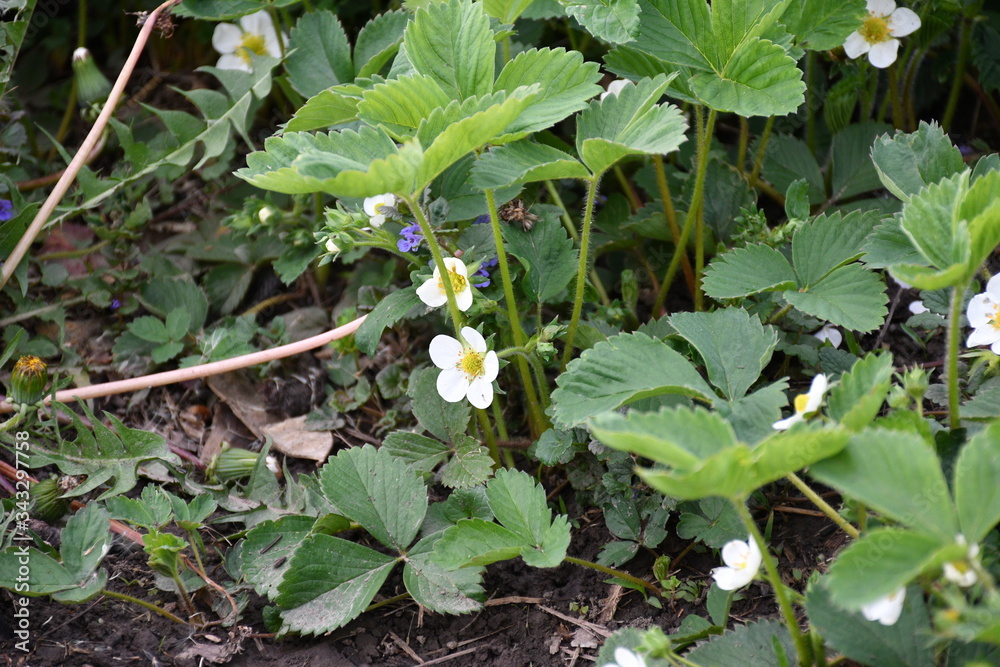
[
  {"x": 994, "y": 319},
  {"x": 252, "y": 43},
  {"x": 961, "y": 565},
  {"x": 30, "y": 366},
  {"x": 378, "y": 208},
  {"x": 875, "y": 30},
  {"x": 472, "y": 363},
  {"x": 801, "y": 401},
  {"x": 458, "y": 281}
]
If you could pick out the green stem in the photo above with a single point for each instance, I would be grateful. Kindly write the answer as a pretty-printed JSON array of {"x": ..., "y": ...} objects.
[
  {"x": 184, "y": 595},
  {"x": 581, "y": 273},
  {"x": 957, "y": 74},
  {"x": 810, "y": 103},
  {"x": 614, "y": 573},
  {"x": 741, "y": 150},
  {"x": 897, "y": 106},
  {"x": 449, "y": 290},
  {"x": 761, "y": 150},
  {"x": 538, "y": 420},
  {"x": 704, "y": 144},
  {"x": 823, "y": 505},
  {"x": 671, "y": 215},
  {"x": 508, "y": 456},
  {"x": 633, "y": 197},
  {"x": 778, "y": 316},
  {"x": 543, "y": 386},
  {"x": 142, "y": 603},
  {"x": 566, "y": 220},
  {"x": 780, "y": 594},
  {"x": 954, "y": 335},
  {"x": 491, "y": 441}
]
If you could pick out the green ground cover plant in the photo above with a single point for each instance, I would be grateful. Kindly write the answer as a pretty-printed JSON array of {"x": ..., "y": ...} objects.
[{"x": 654, "y": 247}]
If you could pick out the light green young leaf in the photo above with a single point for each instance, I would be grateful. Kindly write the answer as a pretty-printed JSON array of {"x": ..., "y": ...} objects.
[
  {"x": 619, "y": 370},
  {"x": 552, "y": 550},
  {"x": 856, "y": 400},
  {"x": 547, "y": 254},
  {"x": 977, "y": 495},
  {"x": 820, "y": 25},
  {"x": 828, "y": 242},
  {"x": 524, "y": 162},
  {"x": 932, "y": 220},
  {"x": 379, "y": 41},
  {"x": 908, "y": 162},
  {"x": 319, "y": 54},
  {"x": 737, "y": 22},
  {"x": 629, "y": 123},
  {"x": 748, "y": 270},
  {"x": 678, "y": 437},
  {"x": 868, "y": 642},
  {"x": 850, "y": 296},
  {"x": 446, "y": 421},
  {"x": 329, "y": 583},
  {"x": 926, "y": 278},
  {"x": 614, "y": 21},
  {"x": 882, "y": 561},
  {"x": 103, "y": 455},
  {"x": 734, "y": 346},
  {"x": 153, "y": 510},
  {"x": 271, "y": 543},
  {"x": 442, "y": 118},
  {"x": 506, "y": 11},
  {"x": 629, "y": 62},
  {"x": 452, "y": 42},
  {"x": 476, "y": 542},
  {"x": 519, "y": 504},
  {"x": 399, "y": 105},
  {"x": 897, "y": 474},
  {"x": 333, "y": 106},
  {"x": 378, "y": 491},
  {"x": 565, "y": 82}
]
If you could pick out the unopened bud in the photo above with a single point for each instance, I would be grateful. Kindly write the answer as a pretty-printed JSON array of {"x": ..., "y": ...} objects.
[
  {"x": 92, "y": 87},
  {"x": 27, "y": 383}
]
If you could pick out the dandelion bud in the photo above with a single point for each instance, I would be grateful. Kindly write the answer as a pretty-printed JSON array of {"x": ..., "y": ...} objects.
[
  {"x": 92, "y": 87},
  {"x": 233, "y": 464},
  {"x": 27, "y": 383},
  {"x": 48, "y": 503}
]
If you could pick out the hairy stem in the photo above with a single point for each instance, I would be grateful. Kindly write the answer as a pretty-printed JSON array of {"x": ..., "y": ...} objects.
[
  {"x": 652, "y": 588},
  {"x": 581, "y": 273}
]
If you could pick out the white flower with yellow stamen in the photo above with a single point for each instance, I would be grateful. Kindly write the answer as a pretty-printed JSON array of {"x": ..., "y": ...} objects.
[
  {"x": 467, "y": 370},
  {"x": 742, "y": 561},
  {"x": 432, "y": 291},
  {"x": 960, "y": 571},
  {"x": 877, "y": 35},
  {"x": 374, "y": 208},
  {"x": 984, "y": 317},
  {"x": 255, "y": 35},
  {"x": 805, "y": 404}
]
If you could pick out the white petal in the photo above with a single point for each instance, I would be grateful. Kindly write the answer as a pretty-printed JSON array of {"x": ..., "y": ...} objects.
[
  {"x": 995, "y": 347},
  {"x": 231, "y": 61},
  {"x": 463, "y": 299},
  {"x": 830, "y": 333},
  {"x": 445, "y": 351},
  {"x": 491, "y": 366},
  {"x": 981, "y": 308},
  {"x": 756, "y": 558},
  {"x": 454, "y": 264},
  {"x": 955, "y": 575},
  {"x": 226, "y": 38},
  {"x": 474, "y": 339},
  {"x": 480, "y": 393},
  {"x": 886, "y": 610},
  {"x": 785, "y": 424},
  {"x": 902, "y": 22},
  {"x": 431, "y": 294},
  {"x": 615, "y": 87},
  {"x": 816, "y": 391},
  {"x": 984, "y": 335},
  {"x": 918, "y": 308},
  {"x": 881, "y": 7},
  {"x": 735, "y": 553},
  {"x": 993, "y": 287},
  {"x": 729, "y": 579},
  {"x": 856, "y": 45},
  {"x": 627, "y": 658},
  {"x": 377, "y": 221},
  {"x": 331, "y": 246},
  {"x": 271, "y": 45},
  {"x": 257, "y": 23},
  {"x": 452, "y": 385},
  {"x": 883, "y": 54}
]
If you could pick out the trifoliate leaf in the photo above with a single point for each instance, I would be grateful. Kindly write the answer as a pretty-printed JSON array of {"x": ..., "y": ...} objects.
[
  {"x": 820, "y": 25},
  {"x": 267, "y": 551},
  {"x": 829, "y": 241},
  {"x": 326, "y": 108},
  {"x": 908, "y": 162},
  {"x": 457, "y": 591}
]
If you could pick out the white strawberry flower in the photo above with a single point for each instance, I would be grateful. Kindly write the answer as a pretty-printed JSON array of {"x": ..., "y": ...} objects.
[
  {"x": 805, "y": 404},
  {"x": 467, "y": 369},
  {"x": 374, "y": 208},
  {"x": 742, "y": 561},
  {"x": 877, "y": 35},
  {"x": 432, "y": 291},
  {"x": 984, "y": 316},
  {"x": 830, "y": 333},
  {"x": 886, "y": 609},
  {"x": 960, "y": 571},
  {"x": 255, "y": 34},
  {"x": 626, "y": 658}
]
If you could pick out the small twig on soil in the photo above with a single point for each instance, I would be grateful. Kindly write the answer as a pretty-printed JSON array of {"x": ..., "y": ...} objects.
[
  {"x": 405, "y": 647},
  {"x": 438, "y": 661},
  {"x": 797, "y": 510},
  {"x": 593, "y": 627}
]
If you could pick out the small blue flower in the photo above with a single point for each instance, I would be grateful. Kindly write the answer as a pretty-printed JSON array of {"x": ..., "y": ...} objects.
[
  {"x": 483, "y": 271},
  {"x": 6, "y": 210},
  {"x": 411, "y": 238},
  {"x": 481, "y": 220},
  {"x": 115, "y": 304}
]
